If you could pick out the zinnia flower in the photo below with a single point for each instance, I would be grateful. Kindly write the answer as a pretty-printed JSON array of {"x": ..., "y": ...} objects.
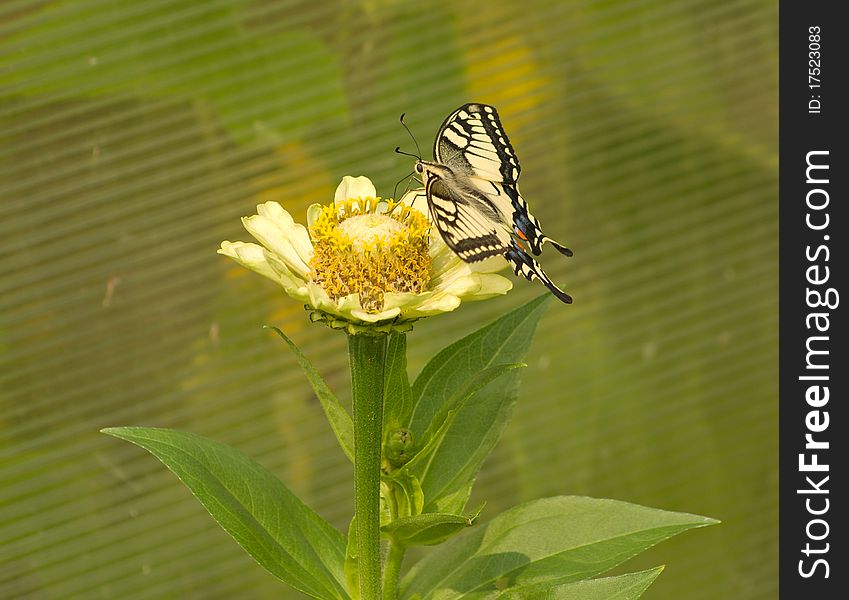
[{"x": 363, "y": 262}]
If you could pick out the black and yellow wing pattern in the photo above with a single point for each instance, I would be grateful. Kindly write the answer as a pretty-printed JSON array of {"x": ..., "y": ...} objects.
[{"x": 473, "y": 196}]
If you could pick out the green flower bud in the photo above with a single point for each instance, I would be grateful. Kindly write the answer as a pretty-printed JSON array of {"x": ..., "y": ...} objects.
[{"x": 399, "y": 447}]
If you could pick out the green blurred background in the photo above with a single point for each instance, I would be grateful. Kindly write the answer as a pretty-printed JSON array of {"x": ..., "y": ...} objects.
[{"x": 133, "y": 135}]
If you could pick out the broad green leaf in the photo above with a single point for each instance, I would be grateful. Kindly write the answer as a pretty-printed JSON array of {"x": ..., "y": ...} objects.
[
  {"x": 429, "y": 456},
  {"x": 621, "y": 587},
  {"x": 545, "y": 542},
  {"x": 428, "y": 529},
  {"x": 505, "y": 340},
  {"x": 480, "y": 421},
  {"x": 340, "y": 420},
  {"x": 278, "y": 530},
  {"x": 398, "y": 396}
]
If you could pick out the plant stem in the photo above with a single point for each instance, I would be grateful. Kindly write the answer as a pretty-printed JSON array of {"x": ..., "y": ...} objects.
[
  {"x": 392, "y": 571},
  {"x": 367, "y": 355}
]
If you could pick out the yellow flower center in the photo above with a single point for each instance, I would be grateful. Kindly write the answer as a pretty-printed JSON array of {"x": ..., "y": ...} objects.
[{"x": 365, "y": 247}]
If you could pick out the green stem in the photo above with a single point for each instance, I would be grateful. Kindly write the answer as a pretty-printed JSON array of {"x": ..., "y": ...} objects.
[
  {"x": 392, "y": 571},
  {"x": 367, "y": 354}
]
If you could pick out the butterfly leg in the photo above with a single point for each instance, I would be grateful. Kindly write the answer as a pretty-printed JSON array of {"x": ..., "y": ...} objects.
[{"x": 527, "y": 267}]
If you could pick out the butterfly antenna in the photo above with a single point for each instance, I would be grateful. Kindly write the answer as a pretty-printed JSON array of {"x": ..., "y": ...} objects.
[
  {"x": 399, "y": 151},
  {"x": 404, "y": 125}
]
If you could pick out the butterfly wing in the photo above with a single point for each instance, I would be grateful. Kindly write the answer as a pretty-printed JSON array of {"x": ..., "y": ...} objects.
[
  {"x": 469, "y": 230},
  {"x": 472, "y": 142},
  {"x": 525, "y": 265},
  {"x": 474, "y": 199},
  {"x": 467, "y": 222},
  {"x": 526, "y": 225}
]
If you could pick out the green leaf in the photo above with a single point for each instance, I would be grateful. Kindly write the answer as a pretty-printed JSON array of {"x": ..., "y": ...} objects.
[
  {"x": 352, "y": 565},
  {"x": 403, "y": 495},
  {"x": 340, "y": 420},
  {"x": 428, "y": 529},
  {"x": 621, "y": 587},
  {"x": 398, "y": 396},
  {"x": 278, "y": 530},
  {"x": 480, "y": 421},
  {"x": 434, "y": 436},
  {"x": 545, "y": 542}
]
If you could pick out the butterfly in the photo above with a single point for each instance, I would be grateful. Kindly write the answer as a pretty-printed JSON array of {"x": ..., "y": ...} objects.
[{"x": 473, "y": 198}]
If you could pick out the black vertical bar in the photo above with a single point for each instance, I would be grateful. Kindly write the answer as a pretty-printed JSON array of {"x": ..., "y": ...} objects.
[{"x": 813, "y": 363}]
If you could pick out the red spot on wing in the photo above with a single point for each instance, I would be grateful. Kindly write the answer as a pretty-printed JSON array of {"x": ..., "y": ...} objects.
[
  {"x": 519, "y": 244},
  {"x": 521, "y": 234}
]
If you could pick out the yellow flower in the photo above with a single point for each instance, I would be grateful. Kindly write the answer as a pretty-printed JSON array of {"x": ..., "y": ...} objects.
[{"x": 363, "y": 262}]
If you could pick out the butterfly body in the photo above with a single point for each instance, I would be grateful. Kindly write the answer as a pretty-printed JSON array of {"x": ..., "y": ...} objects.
[{"x": 473, "y": 196}]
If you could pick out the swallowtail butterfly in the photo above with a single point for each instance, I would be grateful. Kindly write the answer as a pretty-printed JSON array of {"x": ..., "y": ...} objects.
[{"x": 473, "y": 197}]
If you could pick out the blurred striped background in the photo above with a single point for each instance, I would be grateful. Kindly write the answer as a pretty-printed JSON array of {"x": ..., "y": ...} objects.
[{"x": 133, "y": 135}]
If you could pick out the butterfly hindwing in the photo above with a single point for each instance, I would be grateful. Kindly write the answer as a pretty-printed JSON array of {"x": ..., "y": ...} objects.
[
  {"x": 465, "y": 222},
  {"x": 514, "y": 209},
  {"x": 527, "y": 226},
  {"x": 525, "y": 265}
]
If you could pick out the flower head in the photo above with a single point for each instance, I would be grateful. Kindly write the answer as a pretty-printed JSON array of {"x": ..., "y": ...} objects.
[
  {"x": 359, "y": 249},
  {"x": 363, "y": 263}
]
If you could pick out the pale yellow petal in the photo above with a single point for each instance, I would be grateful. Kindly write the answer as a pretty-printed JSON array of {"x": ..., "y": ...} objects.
[
  {"x": 298, "y": 234},
  {"x": 346, "y": 304},
  {"x": 250, "y": 256},
  {"x": 436, "y": 303},
  {"x": 354, "y": 187},
  {"x": 463, "y": 284},
  {"x": 490, "y": 285},
  {"x": 404, "y": 300},
  {"x": 447, "y": 269},
  {"x": 493, "y": 264},
  {"x": 319, "y": 299},
  {"x": 294, "y": 285},
  {"x": 313, "y": 213},
  {"x": 274, "y": 228},
  {"x": 368, "y": 317}
]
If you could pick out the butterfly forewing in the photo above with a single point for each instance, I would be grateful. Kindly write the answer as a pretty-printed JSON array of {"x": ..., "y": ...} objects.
[{"x": 472, "y": 141}]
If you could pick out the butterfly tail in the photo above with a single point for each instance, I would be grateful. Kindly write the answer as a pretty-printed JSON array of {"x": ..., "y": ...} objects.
[
  {"x": 559, "y": 247},
  {"x": 527, "y": 267},
  {"x": 528, "y": 228}
]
